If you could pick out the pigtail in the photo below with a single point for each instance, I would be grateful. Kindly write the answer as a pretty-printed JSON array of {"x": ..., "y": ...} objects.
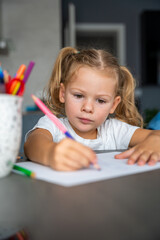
[
  {"x": 58, "y": 76},
  {"x": 126, "y": 110}
]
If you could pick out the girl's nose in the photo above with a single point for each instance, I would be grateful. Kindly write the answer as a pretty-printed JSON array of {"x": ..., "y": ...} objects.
[{"x": 87, "y": 106}]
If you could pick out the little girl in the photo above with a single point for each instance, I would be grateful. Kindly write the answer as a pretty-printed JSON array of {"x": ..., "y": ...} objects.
[{"x": 94, "y": 98}]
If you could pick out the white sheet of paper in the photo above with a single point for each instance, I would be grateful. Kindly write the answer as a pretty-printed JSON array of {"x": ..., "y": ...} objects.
[{"x": 110, "y": 168}]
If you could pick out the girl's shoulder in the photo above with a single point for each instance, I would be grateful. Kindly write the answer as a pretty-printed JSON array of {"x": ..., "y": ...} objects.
[
  {"x": 117, "y": 134},
  {"x": 113, "y": 124},
  {"x": 115, "y": 121}
]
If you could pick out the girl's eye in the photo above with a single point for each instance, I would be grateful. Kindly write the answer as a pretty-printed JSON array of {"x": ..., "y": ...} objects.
[
  {"x": 78, "y": 95},
  {"x": 101, "y": 101}
]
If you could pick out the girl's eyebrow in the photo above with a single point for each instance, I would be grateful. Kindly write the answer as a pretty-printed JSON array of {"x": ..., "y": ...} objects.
[
  {"x": 104, "y": 95},
  {"x": 78, "y": 89},
  {"x": 97, "y": 95}
]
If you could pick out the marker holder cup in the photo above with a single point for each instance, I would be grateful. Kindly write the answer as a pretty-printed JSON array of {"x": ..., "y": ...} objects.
[{"x": 10, "y": 131}]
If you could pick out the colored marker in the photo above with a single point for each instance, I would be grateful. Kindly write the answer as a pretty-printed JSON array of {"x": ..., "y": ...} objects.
[
  {"x": 19, "y": 73},
  {"x": 55, "y": 120},
  {"x": 19, "y": 157},
  {"x": 2, "y": 84},
  {"x": 27, "y": 74},
  {"x": 10, "y": 86},
  {"x": 28, "y": 71},
  {"x": 1, "y": 73},
  {"x": 24, "y": 171}
]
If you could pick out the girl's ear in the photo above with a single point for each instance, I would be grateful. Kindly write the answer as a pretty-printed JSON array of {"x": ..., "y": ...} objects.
[
  {"x": 117, "y": 100},
  {"x": 62, "y": 93}
]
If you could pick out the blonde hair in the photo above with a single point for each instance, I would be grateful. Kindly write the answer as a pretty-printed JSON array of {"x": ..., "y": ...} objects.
[{"x": 70, "y": 60}]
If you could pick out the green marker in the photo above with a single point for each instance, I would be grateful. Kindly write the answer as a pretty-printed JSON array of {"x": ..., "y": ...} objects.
[{"x": 24, "y": 171}]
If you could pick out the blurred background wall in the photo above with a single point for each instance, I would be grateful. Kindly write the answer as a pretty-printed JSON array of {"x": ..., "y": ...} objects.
[{"x": 32, "y": 30}]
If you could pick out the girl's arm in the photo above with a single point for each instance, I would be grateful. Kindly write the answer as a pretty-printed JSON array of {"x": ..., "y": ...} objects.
[
  {"x": 67, "y": 155},
  {"x": 145, "y": 147}
]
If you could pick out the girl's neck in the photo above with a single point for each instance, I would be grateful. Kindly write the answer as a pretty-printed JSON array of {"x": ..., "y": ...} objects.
[
  {"x": 90, "y": 135},
  {"x": 86, "y": 135}
]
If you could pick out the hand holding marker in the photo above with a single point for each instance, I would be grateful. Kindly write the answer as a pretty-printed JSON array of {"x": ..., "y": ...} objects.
[{"x": 55, "y": 120}]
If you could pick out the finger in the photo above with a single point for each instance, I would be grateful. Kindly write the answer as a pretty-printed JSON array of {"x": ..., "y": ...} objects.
[
  {"x": 64, "y": 164},
  {"x": 92, "y": 159},
  {"x": 65, "y": 168},
  {"x": 75, "y": 160},
  {"x": 134, "y": 157},
  {"x": 77, "y": 152},
  {"x": 125, "y": 154},
  {"x": 154, "y": 158},
  {"x": 142, "y": 158},
  {"x": 71, "y": 165},
  {"x": 70, "y": 159},
  {"x": 85, "y": 160},
  {"x": 86, "y": 153},
  {"x": 81, "y": 149}
]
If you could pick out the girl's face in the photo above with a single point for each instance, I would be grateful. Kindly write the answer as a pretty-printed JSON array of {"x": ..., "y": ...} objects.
[{"x": 89, "y": 98}]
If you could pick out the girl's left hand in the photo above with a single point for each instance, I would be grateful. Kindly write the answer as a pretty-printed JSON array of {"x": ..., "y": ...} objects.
[{"x": 148, "y": 151}]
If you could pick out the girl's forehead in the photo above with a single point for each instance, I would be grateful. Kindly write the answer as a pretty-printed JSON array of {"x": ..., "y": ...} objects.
[
  {"x": 86, "y": 71},
  {"x": 93, "y": 80}
]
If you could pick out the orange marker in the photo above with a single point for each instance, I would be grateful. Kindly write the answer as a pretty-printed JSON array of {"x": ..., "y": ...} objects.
[
  {"x": 21, "y": 71},
  {"x": 19, "y": 75}
]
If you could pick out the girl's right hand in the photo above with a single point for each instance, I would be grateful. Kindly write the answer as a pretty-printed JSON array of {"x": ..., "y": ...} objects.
[{"x": 69, "y": 155}]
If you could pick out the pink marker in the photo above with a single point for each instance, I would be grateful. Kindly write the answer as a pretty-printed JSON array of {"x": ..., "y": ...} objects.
[{"x": 54, "y": 119}]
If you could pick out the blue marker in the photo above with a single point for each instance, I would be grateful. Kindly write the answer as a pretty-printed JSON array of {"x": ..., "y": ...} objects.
[
  {"x": 2, "y": 85},
  {"x": 1, "y": 75}
]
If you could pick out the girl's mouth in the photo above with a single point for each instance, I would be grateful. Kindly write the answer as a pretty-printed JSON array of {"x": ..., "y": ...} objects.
[{"x": 85, "y": 120}]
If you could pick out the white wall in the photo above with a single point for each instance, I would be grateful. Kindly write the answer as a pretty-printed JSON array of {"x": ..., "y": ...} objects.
[{"x": 34, "y": 30}]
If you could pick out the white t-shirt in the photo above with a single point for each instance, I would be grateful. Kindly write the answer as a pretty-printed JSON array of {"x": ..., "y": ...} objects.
[{"x": 112, "y": 134}]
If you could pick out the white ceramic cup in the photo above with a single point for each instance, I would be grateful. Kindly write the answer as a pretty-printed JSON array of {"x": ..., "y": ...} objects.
[{"x": 10, "y": 131}]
